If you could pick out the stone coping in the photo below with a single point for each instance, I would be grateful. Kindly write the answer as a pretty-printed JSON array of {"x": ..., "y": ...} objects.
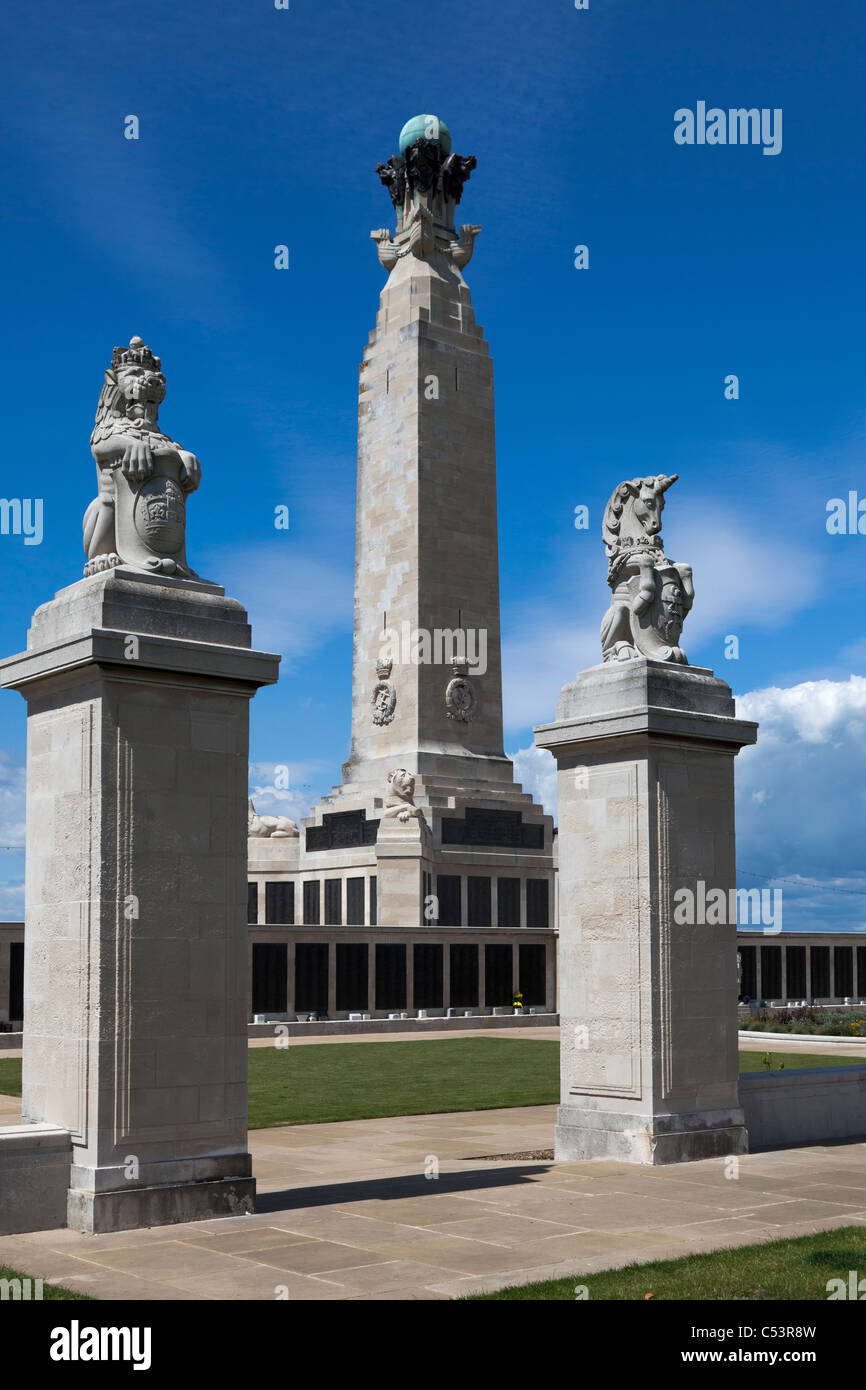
[
  {"x": 816, "y": 1105},
  {"x": 343, "y": 1027},
  {"x": 819, "y": 1039},
  {"x": 27, "y": 1137},
  {"x": 13, "y": 1042},
  {"x": 172, "y": 655},
  {"x": 336, "y": 1027},
  {"x": 648, "y": 720}
]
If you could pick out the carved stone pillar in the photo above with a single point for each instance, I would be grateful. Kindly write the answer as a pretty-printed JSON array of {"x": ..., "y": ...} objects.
[
  {"x": 402, "y": 854},
  {"x": 138, "y": 690},
  {"x": 645, "y": 753}
]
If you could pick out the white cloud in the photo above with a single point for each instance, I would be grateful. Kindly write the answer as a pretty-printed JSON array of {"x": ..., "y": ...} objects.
[
  {"x": 801, "y": 800},
  {"x": 742, "y": 580},
  {"x": 296, "y": 603},
  {"x": 11, "y": 801},
  {"x": 536, "y": 665},
  {"x": 11, "y": 833},
  {"x": 272, "y": 797},
  {"x": 821, "y": 711},
  {"x": 535, "y": 770},
  {"x": 12, "y": 900}
]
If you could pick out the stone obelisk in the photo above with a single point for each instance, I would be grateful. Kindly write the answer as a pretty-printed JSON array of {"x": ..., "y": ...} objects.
[
  {"x": 427, "y": 681},
  {"x": 645, "y": 747},
  {"x": 426, "y": 561},
  {"x": 137, "y": 680}
]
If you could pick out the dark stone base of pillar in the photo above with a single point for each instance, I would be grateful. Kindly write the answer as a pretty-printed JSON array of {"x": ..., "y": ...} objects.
[
  {"x": 96, "y": 1212},
  {"x": 581, "y": 1135}
]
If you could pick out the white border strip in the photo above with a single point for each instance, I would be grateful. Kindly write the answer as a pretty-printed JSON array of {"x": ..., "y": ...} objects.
[{"x": 816, "y": 1039}]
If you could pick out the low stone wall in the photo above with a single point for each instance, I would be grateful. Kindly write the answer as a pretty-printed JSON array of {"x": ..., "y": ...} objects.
[
  {"x": 812, "y": 1106},
  {"x": 13, "y": 1042},
  {"x": 819, "y": 1040},
  {"x": 343, "y": 1028},
  {"x": 34, "y": 1177}
]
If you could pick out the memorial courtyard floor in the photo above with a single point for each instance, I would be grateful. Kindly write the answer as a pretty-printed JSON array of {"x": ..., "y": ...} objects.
[{"x": 345, "y": 1212}]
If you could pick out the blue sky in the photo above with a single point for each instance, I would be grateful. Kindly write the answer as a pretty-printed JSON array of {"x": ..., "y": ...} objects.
[{"x": 261, "y": 127}]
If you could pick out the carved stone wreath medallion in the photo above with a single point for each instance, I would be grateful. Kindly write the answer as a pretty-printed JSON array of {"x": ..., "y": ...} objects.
[
  {"x": 384, "y": 702},
  {"x": 460, "y": 699},
  {"x": 384, "y": 699}
]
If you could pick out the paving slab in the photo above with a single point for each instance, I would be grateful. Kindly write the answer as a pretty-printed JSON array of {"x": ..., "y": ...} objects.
[{"x": 346, "y": 1212}]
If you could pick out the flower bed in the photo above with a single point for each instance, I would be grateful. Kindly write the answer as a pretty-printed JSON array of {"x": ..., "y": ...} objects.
[{"x": 841, "y": 1023}]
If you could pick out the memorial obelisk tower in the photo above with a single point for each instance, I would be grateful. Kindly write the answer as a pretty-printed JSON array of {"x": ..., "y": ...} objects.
[
  {"x": 427, "y": 818},
  {"x": 426, "y": 564}
]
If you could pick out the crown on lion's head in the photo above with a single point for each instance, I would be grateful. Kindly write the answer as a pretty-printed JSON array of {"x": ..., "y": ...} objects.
[
  {"x": 138, "y": 354},
  {"x": 133, "y": 384}
]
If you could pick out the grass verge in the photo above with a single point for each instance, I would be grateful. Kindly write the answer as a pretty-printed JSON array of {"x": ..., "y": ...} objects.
[
  {"x": 365, "y": 1081},
  {"x": 782, "y": 1269},
  {"x": 794, "y": 1061},
  {"x": 49, "y": 1291},
  {"x": 355, "y": 1081}
]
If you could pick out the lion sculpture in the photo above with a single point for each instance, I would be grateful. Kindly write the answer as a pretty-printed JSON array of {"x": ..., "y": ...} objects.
[
  {"x": 399, "y": 801},
  {"x": 138, "y": 517},
  {"x": 268, "y": 827}
]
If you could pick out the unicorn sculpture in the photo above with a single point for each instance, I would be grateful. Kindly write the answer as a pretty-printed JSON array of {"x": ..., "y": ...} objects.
[{"x": 651, "y": 595}]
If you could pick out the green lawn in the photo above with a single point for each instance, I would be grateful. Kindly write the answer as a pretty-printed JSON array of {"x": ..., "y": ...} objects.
[
  {"x": 354, "y": 1081},
  {"x": 795, "y": 1061},
  {"x": 10, "y": 1076},
  {"x": 48, "y": 1290},
  {"x": 782, "y": 1269}
]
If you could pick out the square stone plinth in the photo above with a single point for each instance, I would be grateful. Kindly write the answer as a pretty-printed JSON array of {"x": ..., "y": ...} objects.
[
  {"x": 645, "y": 754},
  {"x": 135, "y": 975}
]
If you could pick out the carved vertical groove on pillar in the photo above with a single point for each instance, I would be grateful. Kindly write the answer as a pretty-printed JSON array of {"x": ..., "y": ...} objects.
[
  {"x": 79, "y": 1129},
  {"x": 124, "y": 925},
  {"x": 635, "y": 945},
  {"x": 664, "y": 921}
]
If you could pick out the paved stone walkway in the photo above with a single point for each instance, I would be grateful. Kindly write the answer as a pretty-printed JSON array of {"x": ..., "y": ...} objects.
[
  {"x": 345, "y": 1212},
  {"x": 531, "y": 1034},
  {"x": 838, "y": 1047},
  {"x": 754, "y": 1043},
  {"x": 413, "y": 1035}
]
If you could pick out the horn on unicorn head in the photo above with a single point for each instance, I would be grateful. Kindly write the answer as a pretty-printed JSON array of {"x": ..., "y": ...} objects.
[{"x": 663, "y": 482}]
